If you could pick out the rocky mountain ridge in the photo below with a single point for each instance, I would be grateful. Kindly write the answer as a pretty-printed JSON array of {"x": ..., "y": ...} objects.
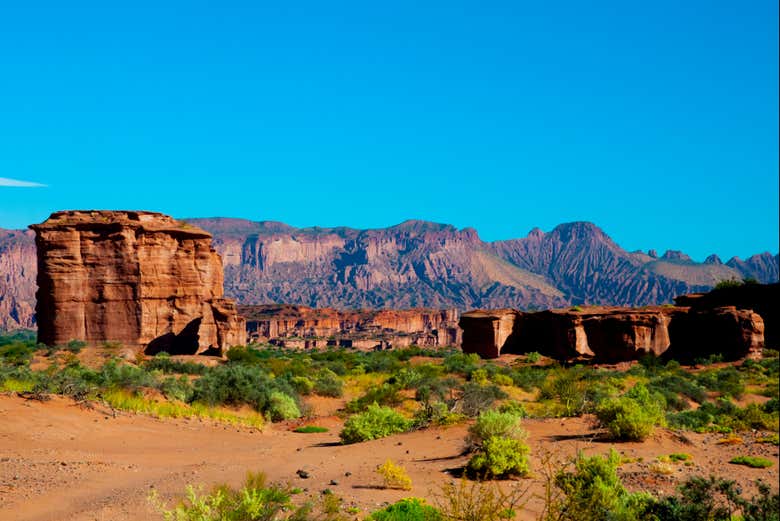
[{"x": 420, "y": 264}]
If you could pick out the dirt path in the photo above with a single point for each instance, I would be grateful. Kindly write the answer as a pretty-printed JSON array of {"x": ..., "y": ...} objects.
[{"x": 59, "y": 461}]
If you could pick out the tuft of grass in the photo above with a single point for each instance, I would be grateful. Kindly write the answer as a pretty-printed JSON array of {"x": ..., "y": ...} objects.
[
  {"x": 731, "y": 440},
  {"x": 308, "y": 429},
  {"x": 754, "y": 462},
  {"x": 680, "y": 456}
]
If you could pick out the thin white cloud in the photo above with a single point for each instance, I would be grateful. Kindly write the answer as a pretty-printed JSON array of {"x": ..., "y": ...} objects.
[{"x": 4, "y": 181}]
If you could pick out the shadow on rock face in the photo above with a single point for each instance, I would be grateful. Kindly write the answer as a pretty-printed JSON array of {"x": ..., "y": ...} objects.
[{"x": 185, "y": 343}]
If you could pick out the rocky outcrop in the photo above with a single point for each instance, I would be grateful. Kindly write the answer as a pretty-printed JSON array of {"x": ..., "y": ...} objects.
[
  {"x": 17, "y": 280},
  {"x": 764, "y": 299},
  {"x": 305, "y": 327},
  {"x": 422, "y": 264},
  {"x": 616, "y": 334},
  {"x": 138, "y": 278},
  {"x": 727, "y": 331}
]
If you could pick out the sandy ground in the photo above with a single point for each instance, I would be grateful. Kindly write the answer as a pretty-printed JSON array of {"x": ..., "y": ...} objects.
[{"x": 61, "y": 461}]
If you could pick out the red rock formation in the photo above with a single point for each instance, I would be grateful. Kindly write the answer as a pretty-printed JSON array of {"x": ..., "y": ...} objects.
[
  {"x": 730, "y": 332},
  {"x": 139, "y": 278},
  {"x": 615, "y": 334},
  {"x": 302, "y": 326},
  {"x": 487, "y": 332},
  {"x": 764, "y": 299}
]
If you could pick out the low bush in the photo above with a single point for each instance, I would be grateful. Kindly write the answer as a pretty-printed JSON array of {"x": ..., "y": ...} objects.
[
  {"x": 494, "y": 424},
  {"x": 163, "y": 362},
  {"x": 309, "y": 429},
  {"x": 375, "y": 422},
  {"x": 328, "y": 383},
  {"x": 476, "y": 398},
  {"x": 177, "y": 388},
  {"x": 409, "y": 509},
  {"x": 754, "y": 462},
  {"x": 632, "y": 416},
  {"x": 394, "y": 476},
  {"x": 593, "y": 491},
  {"x": 500, "y": 457},
  {"x": 282, "y": 407},
  {"x": 385, "y": 394},
  {"x": 714, "y": 499}
]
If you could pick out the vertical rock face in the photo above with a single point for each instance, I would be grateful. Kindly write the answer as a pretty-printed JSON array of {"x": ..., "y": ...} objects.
[
  {"x": 139, "y": 278},
  {"x": 616, "y": 334},
  {"x": 487, "y": 333}
]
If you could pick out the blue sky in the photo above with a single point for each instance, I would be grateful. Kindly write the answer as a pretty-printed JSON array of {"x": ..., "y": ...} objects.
[{"x": 656, "y": 120}]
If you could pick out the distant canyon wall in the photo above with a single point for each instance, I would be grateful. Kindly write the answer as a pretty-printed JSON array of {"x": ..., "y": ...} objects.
[
  {"x": 419, "y": 264},
  {"x": 309, "y": 328}
]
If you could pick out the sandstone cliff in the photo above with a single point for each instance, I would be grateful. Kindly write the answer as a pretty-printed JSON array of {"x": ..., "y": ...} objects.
[
  {"x": 613, "y": 334},
  {"x": 138, "y": 278}
]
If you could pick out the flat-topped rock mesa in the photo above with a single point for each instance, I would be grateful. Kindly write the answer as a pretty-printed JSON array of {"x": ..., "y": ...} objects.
[
  {"x": 615, "y": 334},
  {"x": 306, "y": 327},
  {"x": 138, "y": 278}
]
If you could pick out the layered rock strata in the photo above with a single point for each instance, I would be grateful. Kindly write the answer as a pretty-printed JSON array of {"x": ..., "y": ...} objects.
[
  {"x": 17, "y": 280},
  {"x": 141, "y": 279},
  {"x": 616, "y": 334},
  {"x": 305, "y": 327}
]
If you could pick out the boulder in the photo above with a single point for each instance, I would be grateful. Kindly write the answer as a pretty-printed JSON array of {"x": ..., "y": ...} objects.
[{"x": 141, "y": 279}]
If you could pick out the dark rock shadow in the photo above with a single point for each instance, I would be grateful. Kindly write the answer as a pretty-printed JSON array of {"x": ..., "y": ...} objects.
[{"x": 185, "y": 343}]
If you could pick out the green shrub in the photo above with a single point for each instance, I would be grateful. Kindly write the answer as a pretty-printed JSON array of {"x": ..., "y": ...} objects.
[
  {"x": 727, "y": 381},
  {"x": 282, "y": 407},
  {"x": 533, "y": 357},
  {"x": 513, "y": 407},
  {"x": 461, "y": 363},
  {"x": 409, "y": 509},
  {"x": 302, "y": 385},
  {"x": 385, "y": 394},
  {"x": 435, "y": 413},
  {"x": 375, "y": 422},
  {"x": 162, "y": 362},
  {"x": 328, "y": 383},
  {"x": 16, "y": 354},
  {"x": 754, "y": 462},
  {"x": 594, "y": 491},
  {"x": 529, "y": 378},
  {"x": 177, "y": 388},
  {"x": 500, "y": 457},
  {"x": 233, "y": 384},
  {"x": 502, "y": 379},
  {"x": 309, "y": 429},
  {"x": 632, "y": 416},
  {"x": 715, "y": 499},
  {"x": 476, "y": 398},
  {"x": 495, "y": 424}
]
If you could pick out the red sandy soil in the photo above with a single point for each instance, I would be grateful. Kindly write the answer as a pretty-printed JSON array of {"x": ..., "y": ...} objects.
[{"x": 62, "y": 461}]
